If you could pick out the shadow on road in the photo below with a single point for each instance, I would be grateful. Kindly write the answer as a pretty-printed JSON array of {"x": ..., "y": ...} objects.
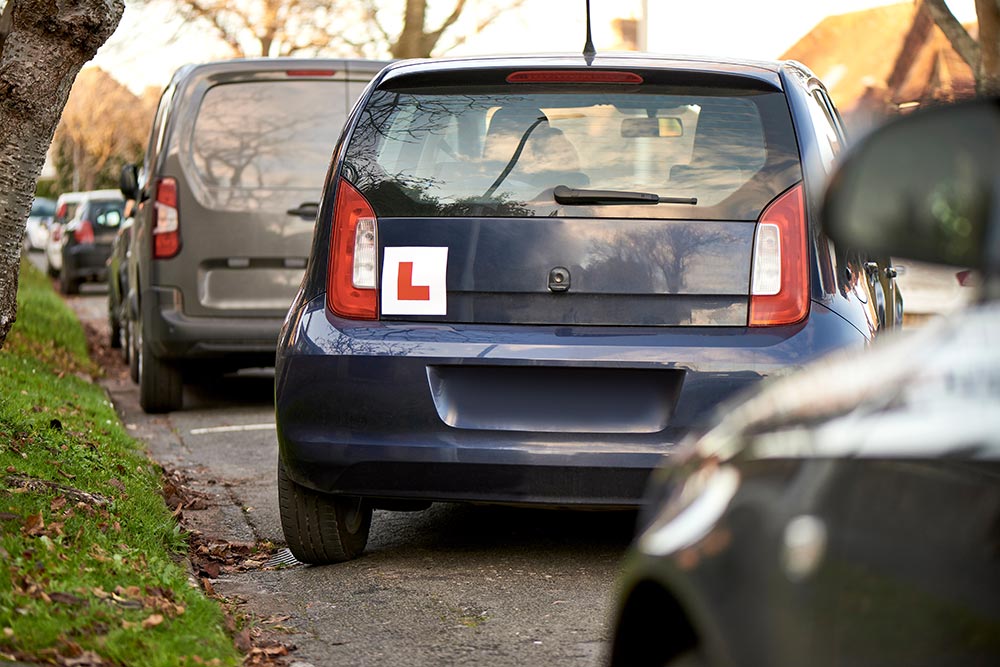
[
  {"x": 250, "y": 388},
  {"x": 454, "y": 529}
]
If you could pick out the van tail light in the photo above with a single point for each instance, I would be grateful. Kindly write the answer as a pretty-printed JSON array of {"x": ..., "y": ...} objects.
[
  {"x": 351, "y": 282},
  {"x": 84, "y": 233},
  {"x": 166, "y": 222},
  {"x": 779, "y": 282}
]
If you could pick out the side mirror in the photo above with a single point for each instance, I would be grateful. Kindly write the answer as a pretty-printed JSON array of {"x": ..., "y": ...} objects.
[
  {"x": 925, "y": 187},
  {"x": 128, "y": 183}
]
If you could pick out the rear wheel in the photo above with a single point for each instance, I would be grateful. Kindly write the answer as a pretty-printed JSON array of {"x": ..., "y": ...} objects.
[
  {"x": 66, "y": 284},
  {"x": 115, "y": 325},
  {"x": 322, "y": 528},
  {"x": 133, "y": 350},
  {"x": 689, "y": 659},
  {"x": 159, "y": 382}
]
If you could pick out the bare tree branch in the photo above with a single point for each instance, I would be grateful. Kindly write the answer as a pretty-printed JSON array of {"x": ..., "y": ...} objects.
[
  {"x": 956, "y": 33},
  {"x": 484, "y": 23}
]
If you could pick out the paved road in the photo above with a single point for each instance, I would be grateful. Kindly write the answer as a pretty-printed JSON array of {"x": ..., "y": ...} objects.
[{"x": 453, "y": 585}]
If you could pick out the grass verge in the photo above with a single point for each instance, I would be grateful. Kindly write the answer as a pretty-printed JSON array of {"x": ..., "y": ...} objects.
[{"x": 92, "y": 561}]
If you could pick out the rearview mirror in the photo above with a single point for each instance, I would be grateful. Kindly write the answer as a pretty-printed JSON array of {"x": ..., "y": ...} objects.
[
  {"x": 666, "y": 126},
  {"x": 923, "y": 187},
  {"x": 128, "y": 182}
]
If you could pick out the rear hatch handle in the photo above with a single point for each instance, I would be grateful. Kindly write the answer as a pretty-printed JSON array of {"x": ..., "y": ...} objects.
[
  {"x": 570, "y": 196},
  {"x": 306, "y": 210}
]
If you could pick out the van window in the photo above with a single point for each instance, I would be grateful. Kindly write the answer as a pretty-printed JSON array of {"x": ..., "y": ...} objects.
[
  {"x": 445, "y": 152},
  {"x": 265, "y": 135}
]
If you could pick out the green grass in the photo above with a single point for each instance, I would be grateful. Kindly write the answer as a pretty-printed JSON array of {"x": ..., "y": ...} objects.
[{"x": 91, "y": 558}]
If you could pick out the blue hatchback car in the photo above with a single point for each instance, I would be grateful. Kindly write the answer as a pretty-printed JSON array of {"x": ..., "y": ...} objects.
[{"x": 531, "y": 276}]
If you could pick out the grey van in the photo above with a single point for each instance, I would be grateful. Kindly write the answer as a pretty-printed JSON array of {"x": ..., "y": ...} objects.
[{"x": 227, "y": 204}]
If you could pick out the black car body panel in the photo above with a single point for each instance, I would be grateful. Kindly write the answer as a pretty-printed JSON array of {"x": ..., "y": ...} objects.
[{"x": 856, "y": 527}]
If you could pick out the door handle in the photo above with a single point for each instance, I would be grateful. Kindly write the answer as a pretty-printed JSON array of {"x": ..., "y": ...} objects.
[{"x": 306, "y": 210}]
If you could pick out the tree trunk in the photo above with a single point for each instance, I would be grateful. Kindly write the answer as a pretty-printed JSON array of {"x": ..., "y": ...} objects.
[
  {"x": 414, "y": 41},
  {"x": 409, "y": 44},
  {"x": 48, "y": 43},
  {"x": 988, "y": 76}
]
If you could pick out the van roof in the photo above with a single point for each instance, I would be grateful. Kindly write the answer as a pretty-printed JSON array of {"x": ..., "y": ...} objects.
[{"x": 345, "y": 66}]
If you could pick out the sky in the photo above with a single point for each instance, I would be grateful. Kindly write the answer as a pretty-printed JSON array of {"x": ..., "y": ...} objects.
[{"x": 151, "y": 42}]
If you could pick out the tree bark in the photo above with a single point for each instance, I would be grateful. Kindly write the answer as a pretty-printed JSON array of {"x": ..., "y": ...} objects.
[
  {"x": 48, "y": 43},
  {"x": 988, "y": 76},
  {"x": 982, "y": 56},
  {"x": 415, "y": 41}
]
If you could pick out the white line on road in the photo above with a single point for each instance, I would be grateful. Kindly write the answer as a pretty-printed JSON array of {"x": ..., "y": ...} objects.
[{"x": 232, "y": 429}]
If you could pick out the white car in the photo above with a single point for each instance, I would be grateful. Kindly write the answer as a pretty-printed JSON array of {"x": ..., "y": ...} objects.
[
  {"x": 37, "y": 229},
  {"x": 65, "y": 208}
]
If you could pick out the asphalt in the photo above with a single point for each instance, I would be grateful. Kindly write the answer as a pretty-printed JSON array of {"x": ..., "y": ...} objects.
[{"x": 452, "y": 585}]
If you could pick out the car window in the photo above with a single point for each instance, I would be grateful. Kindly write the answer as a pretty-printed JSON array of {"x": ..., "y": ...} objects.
[
  {"x": 66, "y": 211},
  {"x": 261, "y": 135},
  {"x": 497, "y": 152},
  {"x": 107, "y": 213},
  {"x": 828, "y": 135},
  {"x": 43, "y": 208}
]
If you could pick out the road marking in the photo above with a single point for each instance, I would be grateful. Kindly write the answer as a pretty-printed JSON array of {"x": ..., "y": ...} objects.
[{"x": 232, "y": 429}]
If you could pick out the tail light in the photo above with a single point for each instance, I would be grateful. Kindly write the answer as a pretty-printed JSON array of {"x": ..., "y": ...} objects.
[
  {"x": 351, "y": 286},
  {"x": 166, "y": 222},
  {"x": 84, "y": 233},
  {"x": 779, "y": 283}
]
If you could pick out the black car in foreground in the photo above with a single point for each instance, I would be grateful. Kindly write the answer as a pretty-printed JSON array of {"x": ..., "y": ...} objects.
[
  {"x": 850, "y": 514},
  {"x": 531, "y": 275}
]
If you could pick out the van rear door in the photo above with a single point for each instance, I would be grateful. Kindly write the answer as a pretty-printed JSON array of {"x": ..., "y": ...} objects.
[{"x": 253, "y": 146}]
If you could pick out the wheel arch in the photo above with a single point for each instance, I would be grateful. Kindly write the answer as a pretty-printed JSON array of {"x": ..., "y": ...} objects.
[{"x": 653, "y": 628}]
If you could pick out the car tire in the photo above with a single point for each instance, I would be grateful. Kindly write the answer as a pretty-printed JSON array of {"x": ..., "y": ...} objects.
[
  {"x": 160, "y": 386},
  {"x": 133, "y": 351},
  {"x": 321, "y": 528},
  {"x": 67, "y": 285},
  {"x": 689, "y": 659},
  {"x": 115, "y": 325}
]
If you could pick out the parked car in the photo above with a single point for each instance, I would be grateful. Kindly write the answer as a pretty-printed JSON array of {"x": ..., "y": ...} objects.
[
  {"x": 118, "y": 321},
  {"x": 220, "y": 240},
  {"x": 531, "y": 276},
  {"x": 850, "y": 514},
  {"x": 86, "y": 239},
  {"x": 65, "y": 209},
  {"x": 36, "y": 233}
]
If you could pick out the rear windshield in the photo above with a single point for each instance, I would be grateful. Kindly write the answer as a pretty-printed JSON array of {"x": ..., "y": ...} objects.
[
  {"x": 43, "y": 208},
  {"x": 107, "y": 213},
  {"x": 265, "y": 135},
  {"x": 500, "y": 151}
]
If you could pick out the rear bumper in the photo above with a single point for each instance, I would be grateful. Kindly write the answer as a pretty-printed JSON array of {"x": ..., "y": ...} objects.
[
  {"x": 86, "y": 262},
  {"x": 360, "y": 409},
  {"x": 243, "y": 341}
]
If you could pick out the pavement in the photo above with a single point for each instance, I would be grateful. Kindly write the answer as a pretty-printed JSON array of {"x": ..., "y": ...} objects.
[{"x": 452, "y": 585}]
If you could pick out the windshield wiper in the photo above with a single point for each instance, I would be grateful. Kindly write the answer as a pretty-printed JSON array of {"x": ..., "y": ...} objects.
[{"x": 569, "y": 196}]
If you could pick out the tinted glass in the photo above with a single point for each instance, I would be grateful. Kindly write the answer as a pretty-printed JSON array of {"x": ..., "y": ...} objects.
[
  {"x": 107, "y": 213},
  {"x": 267, "y": 134},
  {"x": 500, "y": 151},
  {"x": 43, "y": 208}
]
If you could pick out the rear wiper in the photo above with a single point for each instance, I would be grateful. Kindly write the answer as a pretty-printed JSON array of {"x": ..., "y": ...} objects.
[{"x": 565, "y": 195}]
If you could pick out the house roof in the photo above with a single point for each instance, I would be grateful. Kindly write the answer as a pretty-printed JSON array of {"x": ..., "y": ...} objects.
[{"x": 893, "y": 48}]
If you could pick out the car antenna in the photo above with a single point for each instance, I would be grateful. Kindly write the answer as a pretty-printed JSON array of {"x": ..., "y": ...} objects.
[{"x": 588, "y": 48}]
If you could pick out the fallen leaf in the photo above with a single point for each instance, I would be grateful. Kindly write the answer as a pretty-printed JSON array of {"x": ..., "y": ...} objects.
[
  {"x": 242, "y": 640},
  {"x": 152, "y": 621},
  {"x": 115, "y": 482},
  {"x": 34, "y": 525}
]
